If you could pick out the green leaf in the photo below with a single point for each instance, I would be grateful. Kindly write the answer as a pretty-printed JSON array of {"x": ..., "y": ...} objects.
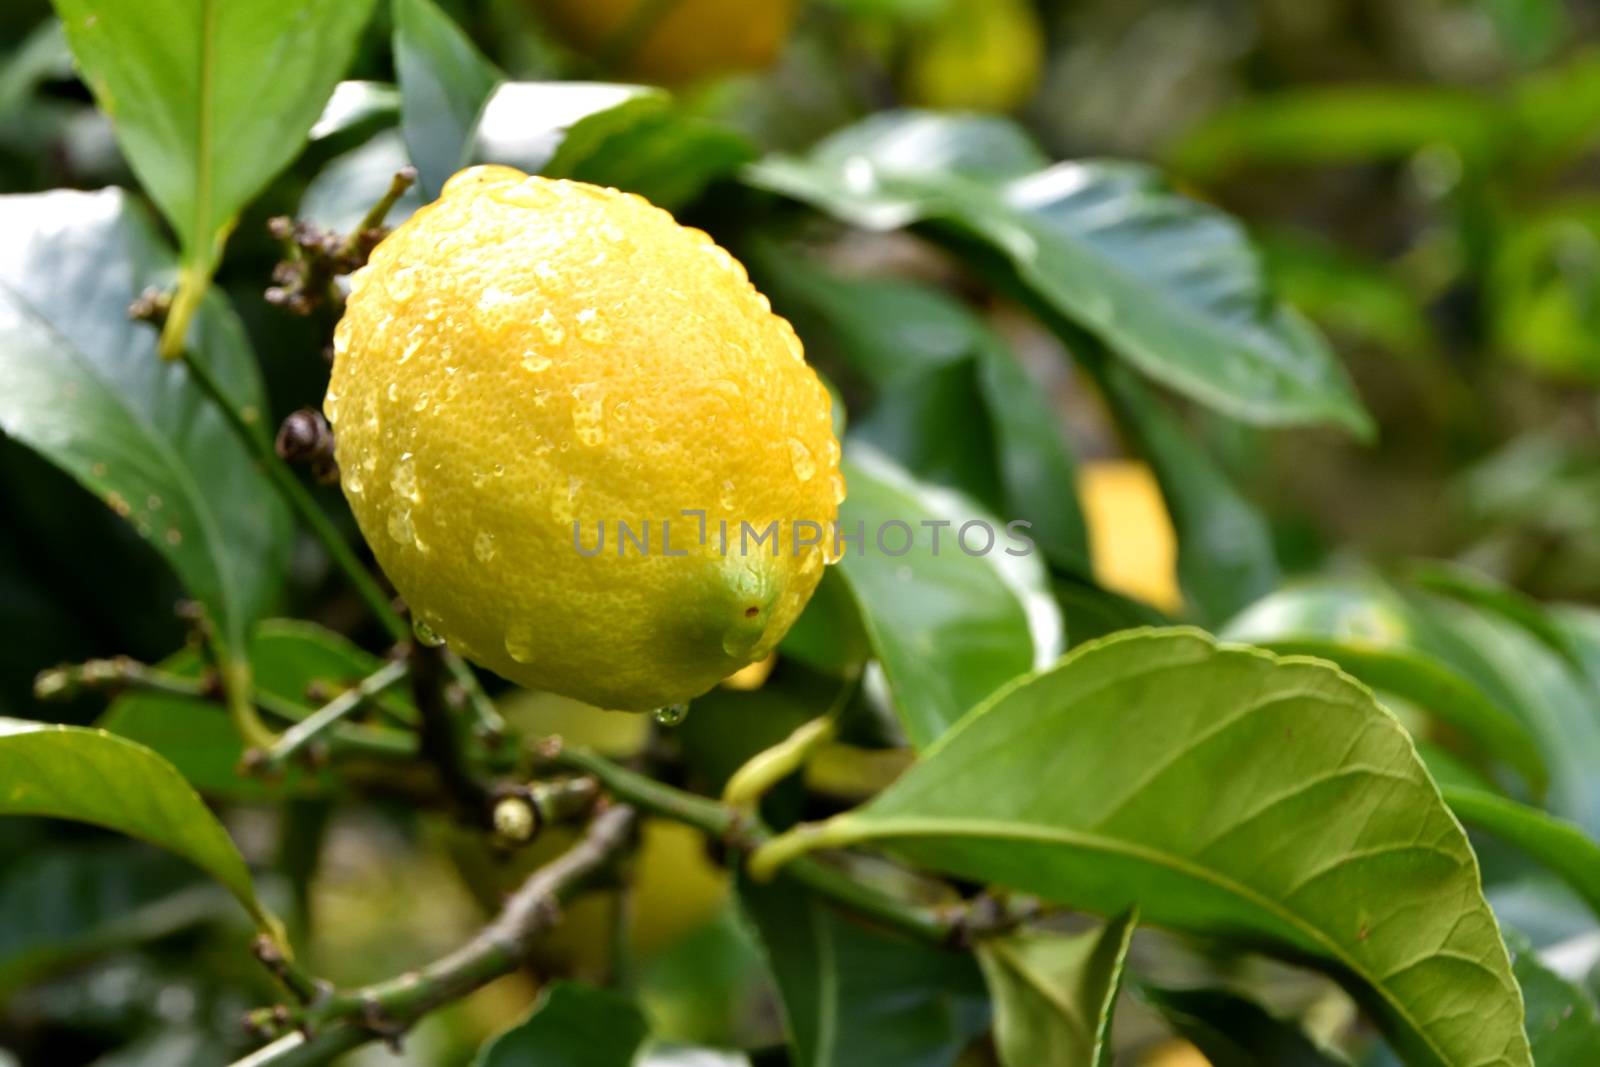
[
  {"x": 1563, "y": 1021},
  {"x": 1225, "y": 554},
  {"x": 1232, "y": 1031},
  {"x": 984, "y": 617},
  {"x": 356, "y": 104},
  {"x": 1347, "y": 294},
  {"x": 1167, "y": 283},
  {"x": 1321, "y": 837},
  {"x": 196, "y": 736},
  {"x": 85, "y": 389},
  {"x": 572, "y": 1026},
  {"x": 1347, "y": 123},
  {"x": 1482, "y": 592},
  {"x": 66, "y": 772},
  {"x": 67, "y": 904},
  {"x": 1369, "y": 631},
  {"x": 1054, "y": 994},
  {"x": 1553, "y": 697},
  {"x": 933, "y": 363},
  {"x": 647, "y": 145},
  {"x": 829, "y": 635},
  {"x": 211, "y": 98},
  {"x": 1559, "y": 845},
  {"x": 857, "y": 997},
  {"x": 1528, "y": 29},
  {"x": 444, "y": 84}
]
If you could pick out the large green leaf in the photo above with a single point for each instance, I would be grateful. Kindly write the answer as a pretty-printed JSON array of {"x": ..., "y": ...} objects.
[
  {"x": 984, "y": 617},
  {"x": 1369, "y": 631},
  {"x": 83, "y": 387},
  {"x": 1054, "y": 994},
  {"x": 1169, "y": 284},
  {"x": 67, "y": 772},
  {"x": 571, "y": 1026},
  {"x": 1563, "y": 1019},
  {"x": 444, "y": 84},
  {"x": 1321, "y": 837},
  {"x": 211, "y": 98},
  {"x": 857, "y": 997},
  {"x": 1559, "y": 845}
]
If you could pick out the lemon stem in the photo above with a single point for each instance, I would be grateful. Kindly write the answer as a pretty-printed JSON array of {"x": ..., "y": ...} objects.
[{"x": 761, "y": 772}]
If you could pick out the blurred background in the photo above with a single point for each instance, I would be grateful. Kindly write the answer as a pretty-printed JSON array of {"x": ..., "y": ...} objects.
[{"x": 1421, "y": 176}]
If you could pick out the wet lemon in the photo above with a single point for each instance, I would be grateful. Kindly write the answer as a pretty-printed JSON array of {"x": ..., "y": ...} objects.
[
  {"x": 675, "y": 42},
  {"x": 579, "y": 442}
]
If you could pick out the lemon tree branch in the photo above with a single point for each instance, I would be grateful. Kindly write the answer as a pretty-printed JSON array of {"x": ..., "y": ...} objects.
[{"x": 340, "y": 1022}]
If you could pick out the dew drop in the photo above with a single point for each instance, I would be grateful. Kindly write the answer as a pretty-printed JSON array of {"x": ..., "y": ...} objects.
[
  {"x": 726, "y": 499},
  {"x": 393, "y": 392},
  {"x": 838, "y": 489},
  {"x": 354, "y": 482},
  {"x": 494, "y": 297},
  {"x": 483, "y": 546},
  {"x": 479, "y": 479},
  {"x": 554, "y": 333},
  {"x": 830, "y": 451},
  {"x": 422, "y": 402},
  {"x": 519, "y": 642},
  {"x": 499, "y": 470},
  {"x": 401, "y": 284},
  {"x": 413, "y": 343},
  {"x": 672, "y": 715},
  {"x": 404, "y": 479},
  {"x": 426, "y": 634},
  {"x": 330, "y": 406},
  {"x": 400, "y": 529},
  {"x": 588, "y": 413},
  {"x": 533, "y": 362},
  {"x": 804, "y": 465},
  {"x": 591, "y": 328}
]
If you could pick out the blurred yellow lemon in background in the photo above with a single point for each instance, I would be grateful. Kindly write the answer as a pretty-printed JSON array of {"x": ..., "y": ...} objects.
[
  {"x": 674, "y": 41},
  {"x": 984, "y": 55},
  {"x": 1134, "y": 549}
]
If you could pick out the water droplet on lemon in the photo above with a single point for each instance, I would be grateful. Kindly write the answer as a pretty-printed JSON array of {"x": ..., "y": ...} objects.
[
  {"x": 800, "y": 456},
  {"x": 426, "y": 634}
]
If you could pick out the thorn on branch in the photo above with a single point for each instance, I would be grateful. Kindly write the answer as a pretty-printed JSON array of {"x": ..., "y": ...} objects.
[
  {"x": 305, "y": 437},
  {"x": 381, "y": 1023},
  {"x": 306, "y": 989}
]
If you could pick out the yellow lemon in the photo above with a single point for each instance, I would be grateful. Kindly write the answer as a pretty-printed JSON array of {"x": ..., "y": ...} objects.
[
  {"x": 677, "y": 41},
  {"x": 981, "y": 54},
  {"x": 1130, "y": 533},
  {"x": 579, "y": 442}
]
